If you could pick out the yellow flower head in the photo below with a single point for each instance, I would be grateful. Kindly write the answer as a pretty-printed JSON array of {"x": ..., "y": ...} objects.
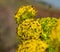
[
  {"x": 32, "y": 46},
  {"x": 29, "y": 28},
  {"x": 25, "y": 12}
]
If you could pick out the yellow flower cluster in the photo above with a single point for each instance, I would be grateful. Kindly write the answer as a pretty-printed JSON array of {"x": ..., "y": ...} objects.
[
  {"x": 58, "y": 30},
  {"x": 37, "y": 35},
  {"x": 29, "y": 29},
  {"x": 33, "y": 46},
  {"x": 25, "y": 12}
]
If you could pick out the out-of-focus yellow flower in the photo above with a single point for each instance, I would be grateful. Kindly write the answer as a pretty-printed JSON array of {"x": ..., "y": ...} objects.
[
  {"x": 55, "y": 34},
  {"x": 58, "y": 25},
  {"x": 33, "y": 46},
  {"x": 58, "y": 30}
]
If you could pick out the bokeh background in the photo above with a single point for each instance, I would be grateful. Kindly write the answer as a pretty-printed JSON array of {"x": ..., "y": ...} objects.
[{"x": 8, "y": 26}]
